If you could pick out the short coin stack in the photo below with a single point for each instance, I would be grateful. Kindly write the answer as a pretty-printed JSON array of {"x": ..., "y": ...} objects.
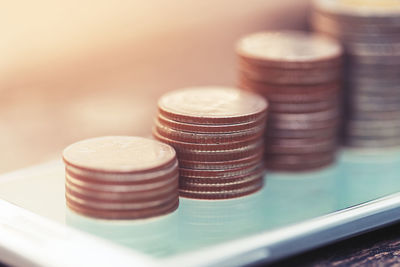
[
  {"x": 121, "y": 177},
  {"x": 370, "y": 34},
  {"x": 217, "y": 133},
  {"x": 299, "y": 74}
]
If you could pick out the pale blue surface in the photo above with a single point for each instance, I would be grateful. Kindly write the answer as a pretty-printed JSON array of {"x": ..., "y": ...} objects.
[{"x": 286, "y": 199}]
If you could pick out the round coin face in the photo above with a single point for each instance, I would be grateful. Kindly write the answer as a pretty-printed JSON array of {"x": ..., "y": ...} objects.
[
  {"x": 119, "y": 154},
  {"x": 288, "y": 49},
  {"x": 210, "y": 105}
]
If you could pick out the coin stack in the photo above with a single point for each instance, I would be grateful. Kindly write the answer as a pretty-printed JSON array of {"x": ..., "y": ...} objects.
[
  {"x": 370, "y": 34},
  {"x": 217, "y": 134},
  {"x": 299, "y": 74},
  {"x": 121, "y": 177}
]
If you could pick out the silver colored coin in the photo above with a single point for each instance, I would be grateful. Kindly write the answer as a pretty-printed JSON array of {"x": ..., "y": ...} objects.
[
  {"x": 383, "y": 12},
  {"x": 373, "y": 124},
  {"x": 377, "y": 142},
  {"x": 373, "y": 115},
  {"x": 390, "y": 132},
  {"x": 359, "y": 107}
]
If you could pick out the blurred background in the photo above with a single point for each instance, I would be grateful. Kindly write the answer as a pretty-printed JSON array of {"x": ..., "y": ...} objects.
[{"x": 70, "y": 70}]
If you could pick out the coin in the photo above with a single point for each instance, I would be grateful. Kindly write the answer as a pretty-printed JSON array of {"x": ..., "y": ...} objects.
[
  {"x": 383, "y": 12},
  {"x": 121, "y": 177},
  {"x": 301, "y": 146},
  {"x": 120, "y": 188},
  {"x": 290, "y": 76},
  {"x": 308, "y": 107},
  {"x": 119, "y": 154},
  {"x": 220, "y": 155},
  {"x": 161, "y": 131},
  {"x": 299, "y": 162},
  {"x": 223, "y": 145},
  {"x": 205, "y": 187},
  {"x": 289, "y": 49},
  {"x": 219, "y": 128},
  {"x": 306, "y": 133},
  {"x": 222, "y": 165},
  {"x": 324, "y": 115},
  {"x": 254, "y": 174},
  {"x": 212, "y": 105},
  {"x": 124, "y": 214},
  {"x": 89, "y": 193},
  {"x": 222, "y": 194},
  {"x": 220, "y": 173},
  {"x": 373, "y": 142}
]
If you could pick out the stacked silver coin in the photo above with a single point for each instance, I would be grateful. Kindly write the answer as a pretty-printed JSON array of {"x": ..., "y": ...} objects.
[{"x": 370, "y": 34}]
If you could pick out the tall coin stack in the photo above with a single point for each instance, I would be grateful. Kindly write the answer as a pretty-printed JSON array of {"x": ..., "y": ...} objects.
[
  {"x": 121, "y": 177},
  {"x": 299, "y": 74},
  {"x": 217, "y": 134},
  {"x": 370, "y": 34}
]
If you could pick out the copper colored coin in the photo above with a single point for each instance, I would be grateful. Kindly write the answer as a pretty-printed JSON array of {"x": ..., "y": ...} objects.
[
  {"x": 201, "y": 128},
  {"x": 309, "y": 107},
  {"x": 220, "y": 155},
  {"x": 283, "y": 96},
  {"x": 205, "y": 187},
  {"x": 212, "y": 105},
  {"x": 120, "y": 188},
  {"x": 197, "y": 138},
  {"x": 120, "y": 206},
  {"x": 324, "y": 115},
  {"x": 289, "y": 49},
  {"x": 295, "y": 160},
  {"x": 124, "y": 214},
  {"x": 320, "y": 91},
  {"x": 222, "y": 194},
  {"x": 220, "y": 173},
  {"x": 119, "y": 154},
  {"x": 309, "y": 166},
  {"x": 202, "y": 146},
  {"x": 223, "y": 165},
  {"x": 303, "y": 125},
  {"x": 224, "y": 180},
  {"x": 304, "y": 147},
  {"x": 85, "y": 193},
  {"x": 123, "y": 178},
  {"x": 298, "y": 133},
  {"x": 295, "y": 77}
]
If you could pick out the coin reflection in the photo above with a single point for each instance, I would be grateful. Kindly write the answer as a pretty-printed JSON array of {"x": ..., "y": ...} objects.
[
  {"x": 151, "y": 236},
  {"x": 205, "y": 222}
]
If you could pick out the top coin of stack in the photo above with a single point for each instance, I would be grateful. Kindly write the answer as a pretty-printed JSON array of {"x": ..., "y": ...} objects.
[
  {"x": 121, "y": 177},
  {"x": 217, "y": 133},
  {"x": 299, "y": 74},
  {"x": 370, "y": 33}
]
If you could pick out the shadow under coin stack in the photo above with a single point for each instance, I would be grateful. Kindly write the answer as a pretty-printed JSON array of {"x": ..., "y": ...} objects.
[
  {"x": 299, "y": 74},
  {"x": 121, "y": 177},
  {"x": 217, "y": 133},
  {"x": 370, "y": 34}
]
